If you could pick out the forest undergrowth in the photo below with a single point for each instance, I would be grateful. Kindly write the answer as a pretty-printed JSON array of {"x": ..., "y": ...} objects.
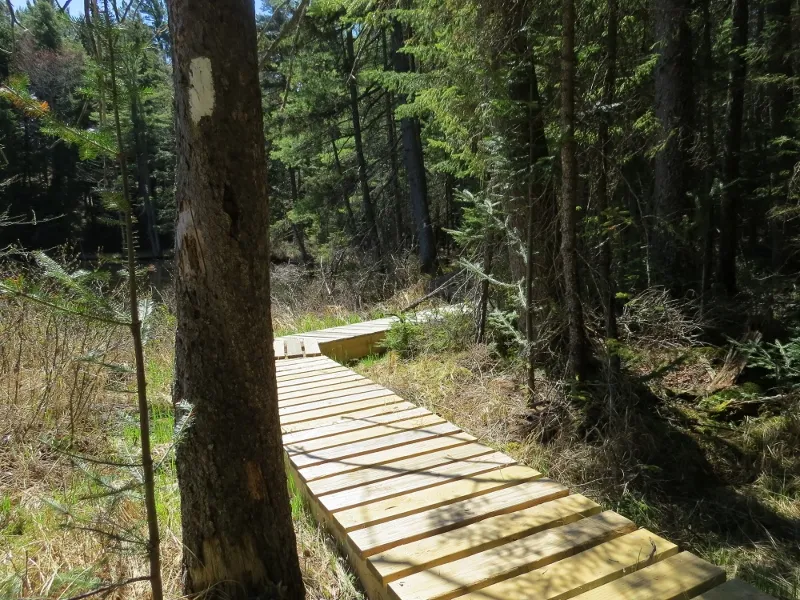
[
  {"x": 71, "y": 512},
  {"x": 684, "y": 447},
  {"x": 681, "y": 445}
]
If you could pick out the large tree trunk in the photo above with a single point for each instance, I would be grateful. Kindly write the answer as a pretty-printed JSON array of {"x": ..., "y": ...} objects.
[
  {"x": 569, "y": 183},
  {"x": 237, "y": 528},
  {"x": 673, "y": 98},
  {"x": 415, "y": 166},
  {"x": 729, "y": 208},
  {"x": 604, "y": 139},
  {"x": 373, "y": 235}
]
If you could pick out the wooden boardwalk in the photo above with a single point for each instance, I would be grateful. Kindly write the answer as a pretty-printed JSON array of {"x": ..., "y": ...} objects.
[{"x": 426, "y": 512}]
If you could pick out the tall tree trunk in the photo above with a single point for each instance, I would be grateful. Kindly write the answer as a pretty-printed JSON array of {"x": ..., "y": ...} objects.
[
  {"x": 604, "y": 139},
  {"x": 779, "y": 93},
  {"x": 143, "y": 173},
  {"x": 391, "y": 142},
  {"x": 483, "y": 301},
  {"x": 569, "y": 183},
  {"x": 373, "y": 235},
  {"x": 733, "y": 144},
  {"x": 673, "y": 98},
  {"x": 415, "y": 166},
  {"x": 706, "y": 220},
  {"x": 351, "y": 218},
  {"x": 237, "y": 527},
  {"x": 299, "y": 236}
]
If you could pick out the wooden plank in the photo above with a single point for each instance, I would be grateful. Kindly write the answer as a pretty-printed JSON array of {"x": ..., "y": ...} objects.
[
  {"x": 339, "y": 409},
  {"x": 386, "y": 510},
  {"x": 397, "y": 468},
  {"x": 422, "y": 418},
  {"x": 503, "y": 562},
  {"x": 284, "y": 397},
  {"x": 311, "y": 347},
  {"x": 347, "y": 418},
  {"x": 351, "y": 424},
  {"x": 322, "y": 384},
  {"x": 322, "y": 378},
  {"x": 341, "y": 453},
  {"x": 294, "y": 348},
  {"x": 384, "y": 456},
  {"x": 409, "y": 558},
  {"x": 279, "y": 348},
  {"x": 585, "y": 571},
  {"x": 681, "y": 576},
  {"x": 317, "y": 395},
  {"x": 735, "y": 589},
  {"x": 282, "y": 379},
  {"x": 412, "y": 482},
  {"x": 404, "y": 530},
  {"x": 303, "y": 364},
  {"x": 315, "y": 405}
]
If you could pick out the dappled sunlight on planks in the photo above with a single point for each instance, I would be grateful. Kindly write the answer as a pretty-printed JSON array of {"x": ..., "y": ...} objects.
[{"x": 425, "y": 512}]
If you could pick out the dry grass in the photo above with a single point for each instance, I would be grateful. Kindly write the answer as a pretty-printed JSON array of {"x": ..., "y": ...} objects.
[
  {"x": 728, "y": 491},
  {"x": 55, "y": 403}
]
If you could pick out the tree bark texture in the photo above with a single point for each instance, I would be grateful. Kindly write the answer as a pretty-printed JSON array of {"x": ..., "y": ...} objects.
[
  {"x": 673, "y": 98},
  {"x": 576, "y": 356},
  {"x": 414, "y": 162},
  {"x": 237, "y": 528},
  {"x": 373, "y": 235},
  {"x": 603, "y": 200}
]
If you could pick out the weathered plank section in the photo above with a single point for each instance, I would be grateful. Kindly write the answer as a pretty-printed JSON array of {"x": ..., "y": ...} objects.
[{"x": 425, "y": 512}]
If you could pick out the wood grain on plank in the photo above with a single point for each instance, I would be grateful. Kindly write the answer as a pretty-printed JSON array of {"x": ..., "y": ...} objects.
[
  {"x": 340, "y": 453},
  {"x": 681, "y": 576},
  {"x": 342, "y": 399},
  {"x": 387, "y": 535},
  {"x": 514, "y": 558},
  {"x": 325, "y": 391},
  {"x": 283, "y": 378},
  {"x": 339, "y": 409},
  {"x": 427, "y": 552},
  {"x": 352, "y": 424},
  {"x": 348, "y": 418},
  {"x": 382, "y": 457},
  {"x": 358, "y": 387},
  {"x": 422, "y": 418},
  {"x": 314, "y": 381},
  {"x": 588, "y": 570},
  {"x": 397, "y": 468},
  {"x": 394, "y": 508},
  {"x": 423, "y": 480}
]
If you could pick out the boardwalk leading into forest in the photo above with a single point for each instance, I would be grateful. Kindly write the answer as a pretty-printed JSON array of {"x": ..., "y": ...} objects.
[{"x": 426, "y": 512}]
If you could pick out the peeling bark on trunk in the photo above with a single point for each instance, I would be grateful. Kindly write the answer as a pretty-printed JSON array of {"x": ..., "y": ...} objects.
[{"x": 237, "y": 528}]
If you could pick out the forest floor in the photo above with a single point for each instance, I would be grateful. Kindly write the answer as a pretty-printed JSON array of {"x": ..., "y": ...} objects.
[{"x": 718, "y": 472}]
